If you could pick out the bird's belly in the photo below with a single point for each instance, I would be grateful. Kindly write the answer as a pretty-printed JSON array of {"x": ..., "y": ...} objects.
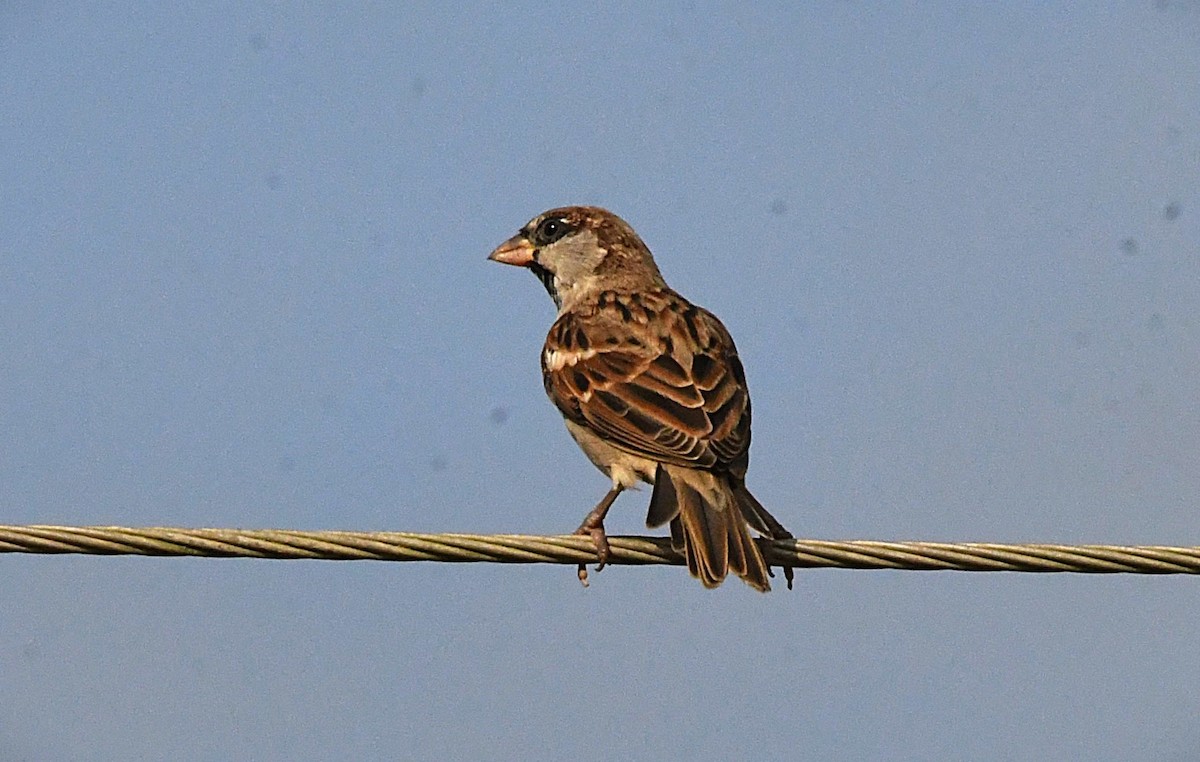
[{"x": 625, "y": 469}]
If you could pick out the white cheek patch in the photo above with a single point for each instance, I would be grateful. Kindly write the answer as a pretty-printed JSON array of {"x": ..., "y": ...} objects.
[{"x": 557, "y": 359}]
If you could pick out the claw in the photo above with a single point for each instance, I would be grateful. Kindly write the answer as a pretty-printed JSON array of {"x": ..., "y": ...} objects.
[
  {"x": 595, "y": 529},
  {"x": 777, "y": 532},
  {"x": 789, "y": 574}
]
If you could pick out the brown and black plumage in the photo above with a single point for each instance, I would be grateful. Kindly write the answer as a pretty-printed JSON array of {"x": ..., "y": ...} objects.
[{"x": 651, "y": 389}]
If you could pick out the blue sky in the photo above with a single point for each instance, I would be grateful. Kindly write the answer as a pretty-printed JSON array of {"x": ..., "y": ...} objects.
[{"x": 242, "y": 283}]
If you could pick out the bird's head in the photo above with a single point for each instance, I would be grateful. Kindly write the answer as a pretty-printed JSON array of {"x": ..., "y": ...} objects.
[{"x": 576, "y": 251}]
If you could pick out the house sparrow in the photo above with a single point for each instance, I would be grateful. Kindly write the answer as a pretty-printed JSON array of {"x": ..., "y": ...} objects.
[{"x": 651, "y": 389}]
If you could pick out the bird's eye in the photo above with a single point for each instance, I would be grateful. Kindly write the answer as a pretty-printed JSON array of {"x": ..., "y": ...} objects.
[{"x": 552, "y": 229}]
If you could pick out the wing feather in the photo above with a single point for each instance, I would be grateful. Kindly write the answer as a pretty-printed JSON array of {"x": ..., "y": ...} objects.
[{"x": 654, "y": 375}]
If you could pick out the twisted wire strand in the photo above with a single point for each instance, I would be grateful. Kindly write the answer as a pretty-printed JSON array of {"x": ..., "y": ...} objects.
[{"x": 572, "y": 549}]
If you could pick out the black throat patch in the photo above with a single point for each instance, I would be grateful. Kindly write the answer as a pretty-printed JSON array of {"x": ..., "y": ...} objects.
[{"x": 547, "y": 279}]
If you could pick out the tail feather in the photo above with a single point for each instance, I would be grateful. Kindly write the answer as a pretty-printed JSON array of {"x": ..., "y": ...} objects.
[
  {"x": 762, "y": 521},
  {"x": 677, "y": 539},
  {"x": 758, "y": 516},
  {"x": 707, "y": 520},
  {"x": 664, "y": 502},
  {"x": 737, "y": 549},
  {"x": 706, "y": 538}
]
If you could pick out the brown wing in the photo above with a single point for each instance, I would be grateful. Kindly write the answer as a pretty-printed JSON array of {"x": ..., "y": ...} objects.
[{"x": 654, "y": 375}]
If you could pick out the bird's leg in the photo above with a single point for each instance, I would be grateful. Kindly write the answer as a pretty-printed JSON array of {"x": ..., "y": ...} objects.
[{"x": 593, "y": 526}]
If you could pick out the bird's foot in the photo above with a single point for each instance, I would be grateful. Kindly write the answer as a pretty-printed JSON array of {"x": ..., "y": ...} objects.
[
  {"x": 593, "y": 526},
  {"x": 789, "y": 573}
]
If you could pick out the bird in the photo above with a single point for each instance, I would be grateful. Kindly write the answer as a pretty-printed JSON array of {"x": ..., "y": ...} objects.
[{"x": 651, "y": 389}]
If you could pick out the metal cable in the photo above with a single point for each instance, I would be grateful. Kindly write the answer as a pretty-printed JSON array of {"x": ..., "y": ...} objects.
[{"x": 571, "y": 549}]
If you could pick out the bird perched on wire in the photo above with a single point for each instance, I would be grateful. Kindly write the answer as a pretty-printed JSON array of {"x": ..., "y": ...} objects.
[{"x": 651, "y": 389}]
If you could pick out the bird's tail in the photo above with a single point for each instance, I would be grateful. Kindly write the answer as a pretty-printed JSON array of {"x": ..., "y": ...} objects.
[{"x": 709, "y": 525}]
